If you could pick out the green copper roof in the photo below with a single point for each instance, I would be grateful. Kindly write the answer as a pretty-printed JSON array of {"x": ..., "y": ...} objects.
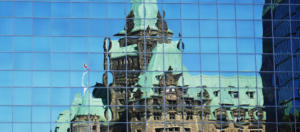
[
  {"x": 116, "y": 51},
  {"x": 165, "y": 55},
  {"x": 157, "y": 65},
  {"x": 63, "y": 121},
  {"x": 82, "y": 106},
  {"x": 92, "y": 106},
  {"x": 145, "y": 14}
]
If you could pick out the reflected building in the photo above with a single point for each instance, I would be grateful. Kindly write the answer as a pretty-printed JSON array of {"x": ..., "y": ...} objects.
[
  {"x": 153, "y": 91},
  {"x": 85, "y": 115},
  {"x": 281, "y": 63}
]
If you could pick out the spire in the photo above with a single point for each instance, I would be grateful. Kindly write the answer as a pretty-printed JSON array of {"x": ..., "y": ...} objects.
[{"x": 107, "y": 41}]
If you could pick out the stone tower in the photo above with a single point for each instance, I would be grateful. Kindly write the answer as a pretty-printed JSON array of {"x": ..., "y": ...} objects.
[
  {"x": 129, "y": 56},
  {"x": 151, "y": 85}
]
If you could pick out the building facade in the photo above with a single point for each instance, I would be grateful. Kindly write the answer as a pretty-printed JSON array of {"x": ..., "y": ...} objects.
[
  {"x": 281, "y": 63},
  {"x": 153, "y": 91},
  {"x": 85, "y": 115}
]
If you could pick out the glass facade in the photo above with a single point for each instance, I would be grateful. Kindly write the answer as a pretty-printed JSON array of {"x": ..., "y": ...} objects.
[
  {"x": 280, "y": 68},
  {"x": 149, "y": 65}
]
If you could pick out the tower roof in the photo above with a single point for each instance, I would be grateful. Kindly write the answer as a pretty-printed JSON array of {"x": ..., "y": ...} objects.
[
  {"x": 92, "y": 106},
  {"x": 117, "y": 51},
  {"x": 82, "y": 105},
  {"x": 145, "y": 14}
]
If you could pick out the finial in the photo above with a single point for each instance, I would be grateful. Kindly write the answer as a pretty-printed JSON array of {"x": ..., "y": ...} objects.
[
  {"x": 104, "y": 44},
  {"x": 110, "y": 43},
  {"x": 104, "y": 79},
  {"x": 180, "y": 42},
  {"x": 148, "y": 30},
  {"x": 170, "y": 69}
]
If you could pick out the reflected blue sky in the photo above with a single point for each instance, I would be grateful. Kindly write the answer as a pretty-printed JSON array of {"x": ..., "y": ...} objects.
[{"x": 45, "y": 44}]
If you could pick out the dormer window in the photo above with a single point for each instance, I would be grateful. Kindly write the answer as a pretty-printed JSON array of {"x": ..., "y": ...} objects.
[
  {"x": 168, "y": 78},
  {"x": 234, "y": 94},
  {"x": 231, "y": 86},
  {"x": 216, "y": 93},
  {"x": 250, "y": 94}
]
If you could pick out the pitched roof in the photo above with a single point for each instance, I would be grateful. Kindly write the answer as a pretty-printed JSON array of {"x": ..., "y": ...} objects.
[
  {"x": 82, "y": 105},
  {"x": 117, "y": 51},
  {"x": 166, "y": 55}
]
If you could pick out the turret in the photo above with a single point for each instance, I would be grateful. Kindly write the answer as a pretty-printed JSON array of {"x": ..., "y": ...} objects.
[{"x": 107, "y": 43}]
